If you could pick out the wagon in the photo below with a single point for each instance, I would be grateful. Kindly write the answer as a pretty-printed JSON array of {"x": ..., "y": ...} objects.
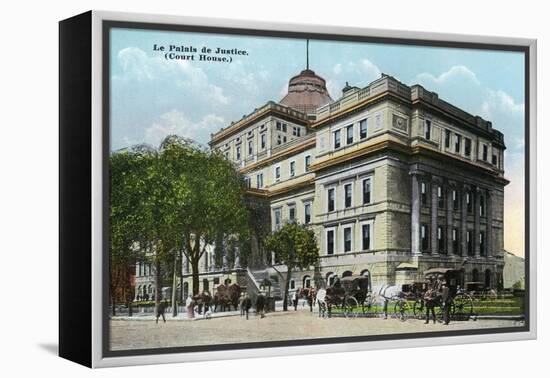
[
  {"x": 462, "y": 307},
  {"x": 348, "y": 294}
]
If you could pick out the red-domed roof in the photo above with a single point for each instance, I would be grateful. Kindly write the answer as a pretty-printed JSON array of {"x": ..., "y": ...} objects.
[{"x": 306, "y": 92}]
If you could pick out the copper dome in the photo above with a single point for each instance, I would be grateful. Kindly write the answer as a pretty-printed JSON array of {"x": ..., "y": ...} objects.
[{"x": 306, "y": 92}]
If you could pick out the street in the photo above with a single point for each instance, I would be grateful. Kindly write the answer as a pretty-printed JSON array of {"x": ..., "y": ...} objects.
[{"x": 276, "y": 326}]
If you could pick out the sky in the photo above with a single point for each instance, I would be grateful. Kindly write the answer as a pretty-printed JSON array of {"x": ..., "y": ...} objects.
[{"x": 152, "y": 96}]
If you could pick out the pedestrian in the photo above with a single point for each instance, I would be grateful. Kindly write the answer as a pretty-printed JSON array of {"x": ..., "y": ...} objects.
[
  {"x": 295, "y": 300},
  {"x": 260, "y": 305},
  {"x": 446, "y": 303},
  {"x": 246, "y": 304},
  {"x": 429, "y": 299},
  {"x": 160, "y": 311}
]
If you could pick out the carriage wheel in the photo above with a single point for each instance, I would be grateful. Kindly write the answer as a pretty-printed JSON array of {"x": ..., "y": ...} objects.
[
  {"x": 462, "y": 307},
  {"x": 368, "y": 306},
  {"x": 418, "y": 309},
  {"x": 351, "y": 307},
  {"x": 401, "y": 309}
]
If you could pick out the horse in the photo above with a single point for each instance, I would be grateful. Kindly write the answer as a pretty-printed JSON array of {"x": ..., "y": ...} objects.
[
  {"x": 383, "y": 294},
  {"x": 308, "y": 293},
  {"x": 227, "y": 296}
]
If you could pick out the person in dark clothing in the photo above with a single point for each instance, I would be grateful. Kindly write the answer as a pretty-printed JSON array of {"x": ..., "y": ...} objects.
[
  {"x": 260, "y": 305},
  {"x": 430, "y": 297},
  {"x": 160, "y": 311},
  {"x": 446, "y": 303},
  {"x": 246, "y": 304}
]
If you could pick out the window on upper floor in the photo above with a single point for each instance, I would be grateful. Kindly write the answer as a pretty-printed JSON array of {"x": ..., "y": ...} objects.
[
  {"x": 279, "y": 126},
  {"x": 423, "y": 193},
  {"x": 481, "y": 205},
  {"x": 277, "y": 216},
  {"x": 307, "y": 162},
  {"x": 337, "y": 139},
  {"x": 458, "y": 141},
  {"x": 470, "y": 242},
  {"x": 485, "y": 152},
  {"x": 330, "y": 199},
  {"x": 347, "y": 195},
  {"x": 440, "y": 239},
  {"x": 440, "y": 197},
  {"x": 367, "y": 191},
  {"x": 330, "y": 242},
  {"x": 292, "y": 213},
  {"x": 247, "y": 182},
  {"x": 238, "y": 153},
  {"x": 447, "y": 138},
  {"x": 424, "y": 237},
  {"x": 456, "y": 201},
  {"x": 363, "y": 128},
  {"x": 467, "y": 147},
  {"x": 347, "y": 239},
  {"x": 349, "y": 134},
  {"x": 495, "y": 159},
  {"x": 277, "y": 173},
  {"x": 482, "y": 243},
  {"x": 284, "y": 127},
  {"x": 292, "y": 168},
  {"x": 469, "y": 202},
  {"x": 250, "y": 147},
  {"x": 263, "y": 140},
  {"x": 279, "y": 139},
  {"x": 456, "y": 241},
  {"x": 365, "y": 237},
  {"x": 260, "y": 180},
  {"x": 428, "y": 129},
  {"x": 307, "y": 213}
]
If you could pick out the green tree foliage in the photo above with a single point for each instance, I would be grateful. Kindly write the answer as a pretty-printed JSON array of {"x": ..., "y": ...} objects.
[{"x": 295, "y": 246}]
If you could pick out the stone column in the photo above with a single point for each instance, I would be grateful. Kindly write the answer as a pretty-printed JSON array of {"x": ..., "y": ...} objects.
[
  {"x": 415, "y": 215},
  {"x": 477, "y": 193},
  {"x": 224, "y": 254},
  {"x": 433, "y": 217},
  {"x": 450, "y": 211},
  {"x": 464, "y": 221},
  {"x": 185, "y": 264},
  {"x": 489, "y": 223}
]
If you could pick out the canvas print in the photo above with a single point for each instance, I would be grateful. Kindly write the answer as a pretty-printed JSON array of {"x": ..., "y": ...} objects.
[{"x": 277, "y": 189}]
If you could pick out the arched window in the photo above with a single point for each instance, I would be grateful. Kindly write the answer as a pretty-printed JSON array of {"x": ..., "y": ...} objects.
[
  {"x": 488, "y": 278},
  {"x": 475, "y": 275},
  {"x": 331, "y": 278},
  {"x": 306, "y": 282},
  {"x": 347, "y": 273}
]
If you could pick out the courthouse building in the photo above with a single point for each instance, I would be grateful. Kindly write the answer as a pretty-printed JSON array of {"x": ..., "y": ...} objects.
[{"x": 392, "y": 179}]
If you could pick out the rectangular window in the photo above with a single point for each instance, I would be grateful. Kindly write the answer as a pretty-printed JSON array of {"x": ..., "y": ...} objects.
[
  {"x": 277, "y": 219},
  {"x": 307, "y": 213},
  {"x": 440, "y": 239},
  {"x": 284, "y": 127},
  {"x": 263, "y": 140},
  {"x": 260, "y": 180},
  {"x": 366, "y": 191},
  {"x": 330, "y": 199},
  {"x": 440, "y": 198},
  {"x": 485, "y": 152},
  {"x": 279, "y": 139},
  {"x": 238, "y": 153},
  {"x": 469, "y": 202},
  {"x": 294, "y": 131},
  {"x": 292, "y": 213},
  {"x": 279, "y": 126},
  {"x": 456, "y": 203},
  {"x": 470, "y": 241},
  {"x": 467, "y": 146},
  {"x": 363, "y": 128},
  {"x": 447, "y": 138},
  {"x": 337, "y": 139},
  {"x": 330, "y": 242},
  {"x": 349, "y": 134},
  {"x": 481, "y": 205},
  {"x": 427, "y": 129},
  {"x": 277, "y": 173},
  {"x": 250, "y": 147},
  {"x": 292, "y": 168},
  {"x": 347, "y": 195},
  {"x": 424, "y": 239},
  {"x": 423, "y": 195},
  {"x": 495, "y": 159},
  {"x": 347, "y": 239},
  {"x": 457, "y": 143},
  {"x": 366, "y": 236},
  {"x": 482, "y": 243},
  {"x": 247, "y": 182},
  {"x": 307, "y": 162},
  {"x": 455, "y": 241},
  {"x": 284, "y": 138}
]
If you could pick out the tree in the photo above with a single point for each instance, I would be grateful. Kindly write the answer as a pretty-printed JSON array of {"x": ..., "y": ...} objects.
[{"x": 295, "y": 246}]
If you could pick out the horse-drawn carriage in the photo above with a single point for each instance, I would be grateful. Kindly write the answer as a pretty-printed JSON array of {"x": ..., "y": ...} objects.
[
  {"x": 461, "y": 303},
  {"x": 347, "y": 294}
]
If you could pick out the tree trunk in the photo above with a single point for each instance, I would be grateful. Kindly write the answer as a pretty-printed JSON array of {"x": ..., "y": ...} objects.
[
  {"x": 180, "y": 273},
  {"x": 287, "y": 284},
  {"x": 175, "y": 287},
  {"x": 195, "y": 268},
  {"x": 158, "y": 284}
]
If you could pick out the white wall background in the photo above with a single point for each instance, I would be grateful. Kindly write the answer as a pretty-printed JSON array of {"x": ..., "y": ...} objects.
[{"x": 28, "y": 188}]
